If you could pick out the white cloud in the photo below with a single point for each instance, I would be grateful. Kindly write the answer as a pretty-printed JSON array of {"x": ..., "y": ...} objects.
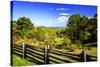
[
  {"x": 61, "y": 9},
  {"x": 50, "y": 8},
  {"x": 65, "y": 14},
  {"x": 58, "y": 9},
  {"x": 63, "y": 18}
]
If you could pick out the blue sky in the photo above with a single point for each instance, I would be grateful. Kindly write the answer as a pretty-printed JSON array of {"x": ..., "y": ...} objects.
[{"x": 50, "y": 14}]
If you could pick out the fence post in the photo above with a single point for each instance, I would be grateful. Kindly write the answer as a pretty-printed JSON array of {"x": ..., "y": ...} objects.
[
  {"x": 24, "y": 50},
  {"x": 83, "y": 56},
  {"x": 46, "y": 55},
  {"x": 48, "y": 50}
]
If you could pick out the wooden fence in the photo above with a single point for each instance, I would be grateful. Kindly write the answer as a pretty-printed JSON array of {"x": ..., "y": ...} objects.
[{"x": 49, "y": 56}]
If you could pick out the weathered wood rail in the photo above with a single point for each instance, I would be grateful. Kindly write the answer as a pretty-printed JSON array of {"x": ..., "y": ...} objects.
[{"x": 48, "y": 56}]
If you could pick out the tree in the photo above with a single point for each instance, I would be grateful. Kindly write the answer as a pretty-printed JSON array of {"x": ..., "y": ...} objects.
[
  {"x": 83, "y": 33},
  {"x": 81, "y": 29},
  {"x": 92, "y": 29},
  {"x": 73, "y": 25},
  {"x": 24, "y": 25}
]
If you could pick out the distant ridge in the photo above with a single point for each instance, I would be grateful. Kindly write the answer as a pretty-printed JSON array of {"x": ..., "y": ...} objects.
[
  {"x": 51, "y": 27},
  {"x": 56, "y": 27}
]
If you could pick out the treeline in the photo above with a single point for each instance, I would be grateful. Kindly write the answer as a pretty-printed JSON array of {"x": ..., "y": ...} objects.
[{"x": 78, "y": 30}]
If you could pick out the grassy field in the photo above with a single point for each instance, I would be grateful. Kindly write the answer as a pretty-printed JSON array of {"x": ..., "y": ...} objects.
[{"x": 17, "y": 61}]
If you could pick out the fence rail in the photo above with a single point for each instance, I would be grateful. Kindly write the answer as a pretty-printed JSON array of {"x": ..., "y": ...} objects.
[{"x": 49, "y": 56}]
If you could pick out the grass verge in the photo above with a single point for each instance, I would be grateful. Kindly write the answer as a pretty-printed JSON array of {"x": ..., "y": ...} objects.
[{"x": 18, "y": 61}]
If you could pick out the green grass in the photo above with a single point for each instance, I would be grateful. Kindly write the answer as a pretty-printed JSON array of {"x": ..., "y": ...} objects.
[
  {"x": 93, "y": 51},
  {"x": 17, "y": 61}
]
